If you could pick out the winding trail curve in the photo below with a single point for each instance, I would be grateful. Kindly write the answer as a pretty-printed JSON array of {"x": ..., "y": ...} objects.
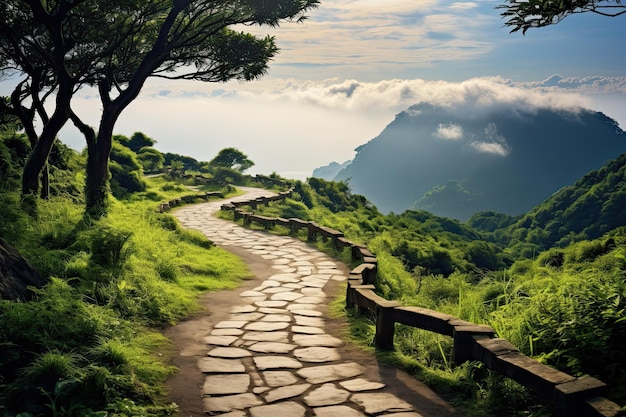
[{"x": 267, "y": 349}]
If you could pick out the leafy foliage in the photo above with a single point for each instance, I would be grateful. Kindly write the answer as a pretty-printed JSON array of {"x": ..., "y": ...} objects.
[
  {"x": 564, "y": 307},
  {"x": 114, "y": 290},
  {"x": 593, "y": 206},
  {"x": 116, "y": 47},
  {"x": 151, "y": 160},
  {"x": 233, "y": 159},
  {"x": 523, "y": 15},
  {"x": 126, "y": 171}
]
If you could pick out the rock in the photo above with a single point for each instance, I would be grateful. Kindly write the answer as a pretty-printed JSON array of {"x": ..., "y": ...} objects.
[
  {"x": 327, "y": 394},
  {"x": 286, "y": 392},
  {"x": 288, "y": 408},
  {"x": 16, "y": 275},
  {"x": 376, "y": 403},
  {"x": 226, "y": 384}
]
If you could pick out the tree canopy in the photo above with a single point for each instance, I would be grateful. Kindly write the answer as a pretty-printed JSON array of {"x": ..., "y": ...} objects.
[
  {"x": 232, "y": 158},
  {"x": 525, "y": 14},
  {"x": 116, "y": 46}
]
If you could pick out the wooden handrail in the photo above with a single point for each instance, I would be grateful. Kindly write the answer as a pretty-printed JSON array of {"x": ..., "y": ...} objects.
[{"x": 573, "y": 397}]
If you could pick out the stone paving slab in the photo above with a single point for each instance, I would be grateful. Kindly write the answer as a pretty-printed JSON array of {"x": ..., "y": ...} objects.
[
  {"x": 381, "y": 402},
  {"x": 220, "y": 384},
  {"x": 228, "y": 352},
  {"x": 228, "y": 403},
  {"x": 219, "y": 365},
  {"x": 272, "y": 347},
  {"x": 276, "y": 362},
  {"x": 327, "y": 373},
  {"x": 317, "y": 354},
  {"x": 291, "y": 409},
  {"x": 327, "y": 394},
  {"x": 285, "y": 392},
  {"x": 360, "y": 384},
  {"x": 272, "y": 357},
  {"x": 337, "y": 411},
  {"x": 279, "y": 378}
]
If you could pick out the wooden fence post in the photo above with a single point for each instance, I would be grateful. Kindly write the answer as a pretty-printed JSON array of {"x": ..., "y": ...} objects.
[{"x": 385, "y": 325}]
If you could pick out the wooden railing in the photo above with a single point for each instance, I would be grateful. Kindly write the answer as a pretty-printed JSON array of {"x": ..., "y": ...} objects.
[
  {"x": 188, "y": 199},
  {"x": 572, "y": 397}
]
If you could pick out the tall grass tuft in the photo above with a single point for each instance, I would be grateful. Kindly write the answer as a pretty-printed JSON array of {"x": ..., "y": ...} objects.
[{"x": 89, "y": 342}]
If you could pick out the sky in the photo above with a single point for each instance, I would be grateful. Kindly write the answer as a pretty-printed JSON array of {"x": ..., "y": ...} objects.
[{"x": 344, "y": 73}]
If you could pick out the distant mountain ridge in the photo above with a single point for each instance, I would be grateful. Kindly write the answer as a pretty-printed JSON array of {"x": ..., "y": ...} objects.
[
  {"x": 455, "y": 164},
  {"x": 330, "y": 171}
]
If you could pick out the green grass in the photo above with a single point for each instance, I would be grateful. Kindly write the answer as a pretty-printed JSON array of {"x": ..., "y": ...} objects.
[
  {"x": 90, "y": 342},
  {"x": 565, "y": 308}
]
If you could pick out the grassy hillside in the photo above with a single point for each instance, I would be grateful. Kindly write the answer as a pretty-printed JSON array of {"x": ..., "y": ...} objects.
[
  {"x": 565, "y": 307},
  {"x": 591, "y": 207},
  {"x": 89, "y": 342},
  {"x": 116, "y": 281}
]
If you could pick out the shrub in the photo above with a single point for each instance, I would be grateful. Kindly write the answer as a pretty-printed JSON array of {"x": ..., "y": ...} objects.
[
  {"x": 553, "y": 258},
  {"x": 195, "y": 238},
  {"x": 110, "y": 246},
  {"x": 126, "y": 171},
  {"x": 168, "y": 222},
  {"x": 224, "y": 176},
  {"x": 585, "y": 251}
]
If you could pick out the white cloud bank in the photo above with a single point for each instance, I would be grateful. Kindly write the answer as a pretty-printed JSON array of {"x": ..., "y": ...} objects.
[
  {"x": 476, "y": 94},
  {"x": 291, "y": 126}
]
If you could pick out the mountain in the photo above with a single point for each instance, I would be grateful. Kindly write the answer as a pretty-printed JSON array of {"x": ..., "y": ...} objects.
[
  {"x": 456, "y": 163},
  {"x": 330, "y": 171},
  {"x": 593, "y": 206}
]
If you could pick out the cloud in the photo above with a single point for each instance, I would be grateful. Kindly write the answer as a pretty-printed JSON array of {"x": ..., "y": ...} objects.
[
  {"x": 476, "y": 94},
  {"x": 463, "y": 5},
  {"x": 490, "y": 147},
  {"x": 589, "y": 84},
  {"x": 450, "y": 131},
  {"x": 294, "y": 125},
  {"x": 358, "y": 36},
  {"x": 494, "y": 142}
]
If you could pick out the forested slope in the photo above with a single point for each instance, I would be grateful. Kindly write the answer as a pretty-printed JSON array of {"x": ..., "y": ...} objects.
[
  {"x": 593, "y": 206},
  {"x": 564, "y": 306}
]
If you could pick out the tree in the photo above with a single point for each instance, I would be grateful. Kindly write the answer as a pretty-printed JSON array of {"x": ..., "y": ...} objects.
[
  {"x": 231, "y": 158},
  {"x": 525, "y": 14},
  {"x": 117, "y": 45},
  {"x": 185, "y": 39},
  {"x": 55, "y": 48}
]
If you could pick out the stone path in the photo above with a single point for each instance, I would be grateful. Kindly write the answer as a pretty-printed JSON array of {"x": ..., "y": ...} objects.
[{"x": 271, "y": 357}]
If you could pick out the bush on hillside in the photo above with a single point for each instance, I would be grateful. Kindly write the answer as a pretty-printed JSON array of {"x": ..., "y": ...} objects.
[{"x": 126, "y": 172}]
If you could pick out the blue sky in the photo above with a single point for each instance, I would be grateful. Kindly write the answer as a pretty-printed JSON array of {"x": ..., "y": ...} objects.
[
  {"x": 343, "y": 74},
  {"x": 453, "y": 40}
]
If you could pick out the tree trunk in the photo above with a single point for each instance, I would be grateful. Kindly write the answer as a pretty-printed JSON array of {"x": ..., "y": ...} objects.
[
  {"x": 41, "y": 150},
  {"x": 39, "y": 155},
  {"x": 98, "y": 152},
  {"x": 45, "y": 181}
]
